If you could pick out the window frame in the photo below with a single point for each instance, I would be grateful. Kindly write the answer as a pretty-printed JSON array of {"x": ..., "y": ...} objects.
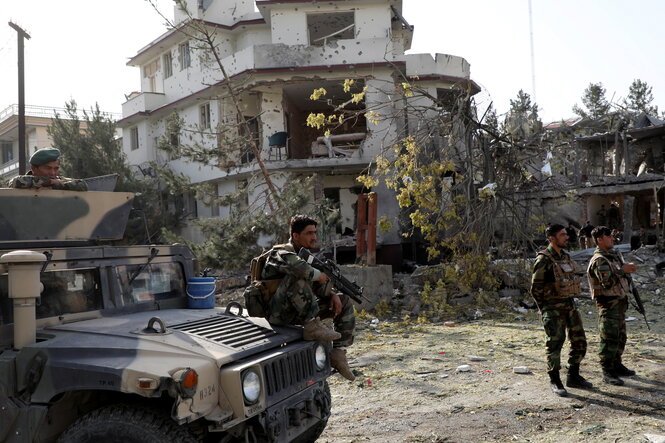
[
  {"x": 204, "y": 116},
  {"x": 184, "y": 55},
  {"x": 167, "y": 61},
  {"x": 134, "y": 138}
]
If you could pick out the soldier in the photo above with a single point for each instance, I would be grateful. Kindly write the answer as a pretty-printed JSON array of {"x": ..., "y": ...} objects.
[
  {"x": 553, "y": 286},
  {"x": 299, "y": 299},
  {"x": 585, "y": 235},
  {"x": 44, "y": 169},
  {"x": 609, "y": 289}
]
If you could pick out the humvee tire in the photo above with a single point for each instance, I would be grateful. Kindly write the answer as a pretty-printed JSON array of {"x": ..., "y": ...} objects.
[
  {"x": 126, "y": 424},
  {"x": 313, "y": 434}
]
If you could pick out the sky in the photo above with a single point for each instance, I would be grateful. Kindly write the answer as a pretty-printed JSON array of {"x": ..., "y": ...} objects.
[{"x": 79, "y": 49}]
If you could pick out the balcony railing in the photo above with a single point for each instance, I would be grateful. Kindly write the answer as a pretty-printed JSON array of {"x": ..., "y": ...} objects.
[
  {"x": 47, "y": 112},
  {"x": 10, "y": 166}
]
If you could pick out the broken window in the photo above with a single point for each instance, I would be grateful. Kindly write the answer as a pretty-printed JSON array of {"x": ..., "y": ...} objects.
[
  {"x": 183, "y": 56},
  {"x": 134, "y": 138},
  {"x": 168, "y": 64},
  {"x": 204, "y": 114},
  {"x": 325, "y": 27},
  {"x": 149, "y": 72},
  {"x": 247, "y": 154},
  {"x": 6, "y": 152}
]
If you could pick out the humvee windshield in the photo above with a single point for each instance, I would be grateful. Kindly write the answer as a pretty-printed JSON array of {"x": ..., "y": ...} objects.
[{"x": 155, "y": 282}]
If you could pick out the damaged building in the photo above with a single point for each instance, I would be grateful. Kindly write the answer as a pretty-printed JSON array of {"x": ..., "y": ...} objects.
[
  {"x": 275, "y": 54},
  {"x": 612, "y": 178}
]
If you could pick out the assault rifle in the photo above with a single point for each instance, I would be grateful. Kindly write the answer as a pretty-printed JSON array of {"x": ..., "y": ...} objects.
[
  {"x": 334, "y": 274},
  {"x": 636, "y": 295}
]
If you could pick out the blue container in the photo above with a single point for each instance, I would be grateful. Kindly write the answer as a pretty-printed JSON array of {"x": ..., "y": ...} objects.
[{"x": 201, "y": 292}]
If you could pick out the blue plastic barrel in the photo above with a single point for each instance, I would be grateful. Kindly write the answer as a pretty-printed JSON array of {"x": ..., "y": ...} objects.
[{"x": 201, "y": 292}]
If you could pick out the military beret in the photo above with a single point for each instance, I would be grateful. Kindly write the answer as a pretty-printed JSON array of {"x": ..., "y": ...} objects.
[{"x": 44, "y": 156}]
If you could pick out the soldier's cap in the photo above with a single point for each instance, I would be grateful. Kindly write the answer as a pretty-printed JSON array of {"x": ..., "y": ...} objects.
[{"x": 44, "y": 156}]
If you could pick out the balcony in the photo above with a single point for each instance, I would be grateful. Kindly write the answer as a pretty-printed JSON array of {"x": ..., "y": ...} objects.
[
  {"x": 443, "y": 65},
  {"x": 341, "y": 52},
  {"x": 143, "y": 102}
]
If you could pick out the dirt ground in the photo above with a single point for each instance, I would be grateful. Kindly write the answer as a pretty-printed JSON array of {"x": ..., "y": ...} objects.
[{"x": 408, "y": 388}]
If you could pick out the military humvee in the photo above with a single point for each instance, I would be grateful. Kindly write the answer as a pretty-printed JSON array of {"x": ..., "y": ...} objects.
[{"x": 97, "y": 343}]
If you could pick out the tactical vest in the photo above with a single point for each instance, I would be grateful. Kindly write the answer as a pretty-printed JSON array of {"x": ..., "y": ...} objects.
[
  {"x": 258, "y": 293},
  {"x": 618, "y": 288},
  {"x": 566, "y": 283}
]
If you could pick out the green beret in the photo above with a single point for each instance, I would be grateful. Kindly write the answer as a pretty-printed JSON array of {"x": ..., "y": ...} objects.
[{"x": 44, "y": 156}]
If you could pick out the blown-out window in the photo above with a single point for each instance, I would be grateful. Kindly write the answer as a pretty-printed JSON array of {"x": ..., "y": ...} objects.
[
  {"x": 184, "y": 57},
  {"x": 326, "y": 27}
]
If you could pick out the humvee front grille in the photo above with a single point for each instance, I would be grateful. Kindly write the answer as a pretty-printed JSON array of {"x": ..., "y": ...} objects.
[
  {"x": 288, "y": 370},
  {"x": 230, "y": 331}
]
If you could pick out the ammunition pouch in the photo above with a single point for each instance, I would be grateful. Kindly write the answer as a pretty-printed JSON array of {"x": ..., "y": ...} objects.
[
  {"x": 257, "y": 297},
  {"x": 568, "y": 288}
]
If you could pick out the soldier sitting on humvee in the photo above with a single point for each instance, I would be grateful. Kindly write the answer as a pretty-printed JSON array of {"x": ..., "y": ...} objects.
[
  {"x": 299, "y": 300},
  {"x": 44, "y": 169}
]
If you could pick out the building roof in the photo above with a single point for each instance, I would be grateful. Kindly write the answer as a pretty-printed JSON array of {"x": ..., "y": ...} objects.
[{"x": 177, "y": 34}]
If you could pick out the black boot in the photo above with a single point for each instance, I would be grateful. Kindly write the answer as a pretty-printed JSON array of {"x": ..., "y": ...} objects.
[
  {"x": 575, "y": 380},
  {"x": 610, "y": 377},
  {"x": 556, "y": 385},
  {"x": 620, "y": 369}
]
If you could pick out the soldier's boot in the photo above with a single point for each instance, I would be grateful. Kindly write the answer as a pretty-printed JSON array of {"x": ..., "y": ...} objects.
[
  {"x": 315, "y": 330},
  {"x": 575, "y": 380},
  {"x": 620, "y": 369},
  {"x": 610, "y": 377},
  {"x": 339, "y": 362},
  {"x": 556, "y": 385}
]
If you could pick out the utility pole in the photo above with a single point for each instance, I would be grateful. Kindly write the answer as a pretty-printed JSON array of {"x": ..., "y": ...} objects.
[
  {"x": 21, "y": 98},
  {"x": 533, "y": 62}
]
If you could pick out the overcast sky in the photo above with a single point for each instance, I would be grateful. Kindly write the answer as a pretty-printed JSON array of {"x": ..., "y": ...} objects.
[{"x": 79, "y": 48}]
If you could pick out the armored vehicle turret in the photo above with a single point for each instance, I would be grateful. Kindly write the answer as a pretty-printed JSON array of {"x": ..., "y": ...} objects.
[{"x": 99, "y": 340}]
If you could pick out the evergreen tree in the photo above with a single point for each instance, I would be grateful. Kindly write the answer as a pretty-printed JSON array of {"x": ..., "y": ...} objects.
[
  {"x": 639, "y": 98},
  {"x": 522, "y": 120},
  {"x": 595, "y": 103},
  {"x": 90, "y": 148}
]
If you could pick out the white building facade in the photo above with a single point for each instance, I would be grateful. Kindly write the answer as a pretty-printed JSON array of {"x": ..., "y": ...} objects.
[{"x": 276, "y": 57}]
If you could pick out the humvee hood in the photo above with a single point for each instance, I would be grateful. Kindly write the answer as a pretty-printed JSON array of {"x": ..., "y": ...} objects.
[{"x": 205, "y": 333}]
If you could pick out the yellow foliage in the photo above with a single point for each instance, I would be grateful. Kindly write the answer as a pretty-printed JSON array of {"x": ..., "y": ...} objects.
[
  {"x": 318, "y": 93},
  {"x": 373, "y": 117},
  {"x": 357, "y": 98},
  {"x": 367, "y": 181},
  {"x": 347, "y": 84},
  {"x": 382, "y": 309},
  {"x": 407, "y": 89},
  {"x": 385, "y": 225},
  {"x": 316, "y": 120}
]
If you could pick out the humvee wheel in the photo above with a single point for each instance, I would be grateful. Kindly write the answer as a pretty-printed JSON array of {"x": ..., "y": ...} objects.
[
  {"x": 313, "y": 434},
  {"x": 125, "y": 424}
]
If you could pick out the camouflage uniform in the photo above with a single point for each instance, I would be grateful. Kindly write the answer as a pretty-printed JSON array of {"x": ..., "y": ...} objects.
[
  {"x": 609, "y": 289},
  {"x": 34, "y": 181},
  {"x": 298, "y": 296},
  {"x": 554, "y": 297}
]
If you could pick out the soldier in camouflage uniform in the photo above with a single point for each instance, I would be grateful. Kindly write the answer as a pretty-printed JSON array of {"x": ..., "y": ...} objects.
[
  {"x": 609, "y": 289},
  {"x": 301, "y": 297},
  {"x": 44, "y": 169},
  {"x": 553, "y": 286}
]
